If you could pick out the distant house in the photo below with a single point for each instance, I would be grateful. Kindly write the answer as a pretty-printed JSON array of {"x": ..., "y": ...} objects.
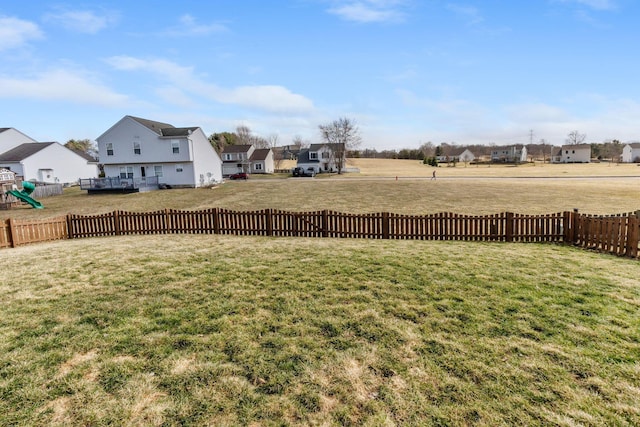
[
  {"x": 572, "y": 153},
  {"x": 465, "y": 156},
  {"x": 142, "y": 150},
  {"x": 48, "y": 162},
  {"x": 323, "y": 158},
  {"x": 510, "y": 154},
  {"x": 287, "y": 152},
  {"x": 236, "y": 159},
  {"x": 631, "y": 153},
  {"x": 11, "y": 138},
  {"x": 262, "y": 161}
]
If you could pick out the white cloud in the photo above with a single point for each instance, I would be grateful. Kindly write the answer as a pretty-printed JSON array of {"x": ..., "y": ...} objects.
[
  {"x": 189, "y": 27},
  {"x": 61, "y": 85},
  {"x": 270, "y": 98},
  {"x": 366, "y": 11},
  {"x": 82, "y": 21},
  {"x": 16, "y": 32},
  {"x": 469, "y": 13}
]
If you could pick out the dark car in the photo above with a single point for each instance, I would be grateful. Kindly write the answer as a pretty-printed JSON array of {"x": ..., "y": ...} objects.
[
  {"x": 239, "y": 175},
  {"x": 298, "y": 171}
]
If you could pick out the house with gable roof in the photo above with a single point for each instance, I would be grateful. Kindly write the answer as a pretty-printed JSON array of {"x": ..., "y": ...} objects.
[
  {"x": 48, "y": 162},
  {"x": 327, "y": 157},
  {"x": 145, "y": 152},
  {"x": 631, "y": 153},
  {"x": 572, "y": 153},
  {"x": 246, "y": 158},
  {"x": 11, "y": 138}
]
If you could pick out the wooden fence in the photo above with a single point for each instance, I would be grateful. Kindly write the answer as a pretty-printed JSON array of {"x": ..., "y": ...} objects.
[
  {"x": 15, "y": 232},
  {"x": 617, "y": 234}
]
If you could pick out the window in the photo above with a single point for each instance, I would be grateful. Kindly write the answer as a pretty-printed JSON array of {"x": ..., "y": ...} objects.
[
  {"x": 175, "y": 146},
  {"x": 126, "y": 172},
  {"x": 228, "y": 156},
  {"x": 313, "y": 155},
  {"x": 325, "y": 154},
  {"x": 257, "y": 166},
  {"x": 157, "y": 170},
  {"x": 109, "y": 149},
  {"x": 179, "y": 168},
  {"x": 136, "y": 148},
  {"x": 239, "y": 165}
]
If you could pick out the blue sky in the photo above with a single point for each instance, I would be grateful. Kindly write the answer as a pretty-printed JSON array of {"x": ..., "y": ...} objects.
[{"x": 407, "y": 71}]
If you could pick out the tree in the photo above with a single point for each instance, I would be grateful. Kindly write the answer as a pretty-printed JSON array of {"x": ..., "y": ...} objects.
[
  {"x": 83, "y": 146},
  {"x": 344, "y": 135},
  {"x": 575, "y": 138},
  {"x": 221, "y": 140}
]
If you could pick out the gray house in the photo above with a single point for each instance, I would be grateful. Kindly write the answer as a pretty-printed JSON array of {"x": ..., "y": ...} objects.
[{"x": 323, "y": 158}]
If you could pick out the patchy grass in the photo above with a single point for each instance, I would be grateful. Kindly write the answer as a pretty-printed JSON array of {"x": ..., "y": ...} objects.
[{"x": 222, "y": 330}]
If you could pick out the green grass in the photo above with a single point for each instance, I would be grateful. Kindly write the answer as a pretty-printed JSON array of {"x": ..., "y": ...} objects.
[{"x": 222, "y": 330}]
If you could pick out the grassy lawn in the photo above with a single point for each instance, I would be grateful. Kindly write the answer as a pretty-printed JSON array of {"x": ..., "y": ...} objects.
[{"x": 221, "y": 330}]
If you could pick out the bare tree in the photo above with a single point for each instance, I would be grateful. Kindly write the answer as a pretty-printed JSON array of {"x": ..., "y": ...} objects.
[
  {"x": 575, "y": 138},
  {"x": 343, "y": 135}
]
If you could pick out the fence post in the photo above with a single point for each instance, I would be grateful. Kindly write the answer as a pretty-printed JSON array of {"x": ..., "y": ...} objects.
[
  {"x": 325, "y": 223},
  {"x": 268, "y": 221},
  {"x": 11, "y": 234},
  {"x": 574, "y": 226},
  {"x": 385, "y": 225},
  {"x": 216, "y": 221},
  {"x": 168, "y": 228},
  {"x": 508, "y": 232},
  {"x": 70, "y": 233},
  {"x": 633, "y": 235},
  {"x": 116, "y": 222}
]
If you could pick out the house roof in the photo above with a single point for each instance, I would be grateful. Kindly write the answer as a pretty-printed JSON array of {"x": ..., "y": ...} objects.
[
  {"x": 177, "y": 131},
  {"x": 236, "y": 148},
  {"x": 23, "y": 151},
  {"x": 156, "y": 127},
  {"x": 303, "y": 157},
  {"x": 260, "y": 154},
  {"x": 334, "y": 146},
  {"x": 3, "y": 129},
  {"x": 88, "y": 157},
  {"x": 634, "y": 145},
  {"x": 578, "y": 146}
]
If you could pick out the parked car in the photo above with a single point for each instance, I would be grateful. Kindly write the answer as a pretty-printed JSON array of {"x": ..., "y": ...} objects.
[
  {"x": 239, "y": 175},
  {"x": 298, "y": 171}
]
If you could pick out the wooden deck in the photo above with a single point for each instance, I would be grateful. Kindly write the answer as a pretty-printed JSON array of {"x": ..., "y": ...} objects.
[{"x": 119, "y": 185}]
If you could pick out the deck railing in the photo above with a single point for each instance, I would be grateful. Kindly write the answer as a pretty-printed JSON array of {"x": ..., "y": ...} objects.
[{"x": 616, "y": 234}]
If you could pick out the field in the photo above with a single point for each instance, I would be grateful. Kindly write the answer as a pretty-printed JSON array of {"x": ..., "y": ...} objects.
[
  {"x": 223, "y": 330},
  {"x": 591, "y": 188}
]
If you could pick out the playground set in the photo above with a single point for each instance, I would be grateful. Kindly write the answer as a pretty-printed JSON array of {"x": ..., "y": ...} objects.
[{"x": 10, "y": 196}]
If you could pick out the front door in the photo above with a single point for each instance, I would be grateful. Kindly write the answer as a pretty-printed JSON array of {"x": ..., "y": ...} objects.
[{"x": 143, "y": 171}]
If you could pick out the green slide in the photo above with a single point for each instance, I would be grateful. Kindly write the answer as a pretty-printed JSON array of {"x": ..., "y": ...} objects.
[{"x": 27, "y": 188}]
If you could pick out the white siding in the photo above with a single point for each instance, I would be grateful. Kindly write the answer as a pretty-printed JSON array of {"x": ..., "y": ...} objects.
[{"x": 11, "y": 138}]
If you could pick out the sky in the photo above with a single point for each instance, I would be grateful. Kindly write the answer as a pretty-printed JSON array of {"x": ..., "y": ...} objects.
[{"x": 406, "y": 72}]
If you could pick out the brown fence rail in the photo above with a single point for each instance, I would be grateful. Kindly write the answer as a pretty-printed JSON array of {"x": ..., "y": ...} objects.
[{"x": 618, "y": 234}]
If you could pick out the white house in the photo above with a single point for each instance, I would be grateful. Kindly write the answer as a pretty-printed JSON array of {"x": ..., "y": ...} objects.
[
  {"x": 323, "y": 158},
  {"x": 465, "y": 156},
  {"x": 136, "y": 148},
  {"x": 511, "y": 154},
  {"x": 631, "y": 153},
  {"x": 572, "y": 153},
  {"x": 11, "y": 138},
  {"x": 48, "y": 162},
  {"x": 262, "y": 161},
  {"x": 236, "y": 159}
]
